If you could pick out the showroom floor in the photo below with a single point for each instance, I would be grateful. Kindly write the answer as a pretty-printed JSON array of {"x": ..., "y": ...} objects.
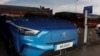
[{"x": 86, "y": 50}]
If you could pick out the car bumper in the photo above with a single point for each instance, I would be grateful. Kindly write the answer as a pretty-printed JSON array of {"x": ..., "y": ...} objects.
[
  {"x": 41, "y": 50},
  {"x": 60, "y": 52}
]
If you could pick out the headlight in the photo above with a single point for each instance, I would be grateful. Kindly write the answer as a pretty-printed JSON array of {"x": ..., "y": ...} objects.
[
  {"x": 27, "y": 31},
  {"x": 24, "y": 30}
]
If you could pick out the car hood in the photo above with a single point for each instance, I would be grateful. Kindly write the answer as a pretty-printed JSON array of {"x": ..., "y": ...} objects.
[{"x": 44, "y": 23}]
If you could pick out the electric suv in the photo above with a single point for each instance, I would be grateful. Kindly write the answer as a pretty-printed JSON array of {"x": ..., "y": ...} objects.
[{"x": 41, "y": 36}]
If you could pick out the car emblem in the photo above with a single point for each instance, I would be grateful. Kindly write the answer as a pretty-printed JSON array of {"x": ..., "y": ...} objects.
[{"x": 64, "y": 35}]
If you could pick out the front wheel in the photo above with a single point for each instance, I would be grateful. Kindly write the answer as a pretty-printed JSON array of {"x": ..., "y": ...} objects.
[
  {"x": 12, "y": 51},
  {"x": 9, "y": 46}
]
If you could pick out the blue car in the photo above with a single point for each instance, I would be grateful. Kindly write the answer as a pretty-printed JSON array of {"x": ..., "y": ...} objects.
[{"x": 42, "y": 36}]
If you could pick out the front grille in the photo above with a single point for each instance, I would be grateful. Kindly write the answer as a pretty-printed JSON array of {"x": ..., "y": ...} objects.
[
  {"x": 61, "y": 42},
  {"x": 71, "y": 48},
  {"x": 60, "y": 52},
  {"x": 50, "y": 53}
]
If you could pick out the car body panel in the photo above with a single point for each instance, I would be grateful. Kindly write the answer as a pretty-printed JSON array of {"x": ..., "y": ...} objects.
[{"x": 52, "y": 31}]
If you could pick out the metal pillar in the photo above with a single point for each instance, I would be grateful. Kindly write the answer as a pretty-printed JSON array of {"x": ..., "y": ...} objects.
[{"x": 86, "y": 26}]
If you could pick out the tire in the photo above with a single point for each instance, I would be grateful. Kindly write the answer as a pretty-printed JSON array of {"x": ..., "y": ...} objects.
[
  {"x": 12, "y": 50},
  {"x": 9, "y": 46}
]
